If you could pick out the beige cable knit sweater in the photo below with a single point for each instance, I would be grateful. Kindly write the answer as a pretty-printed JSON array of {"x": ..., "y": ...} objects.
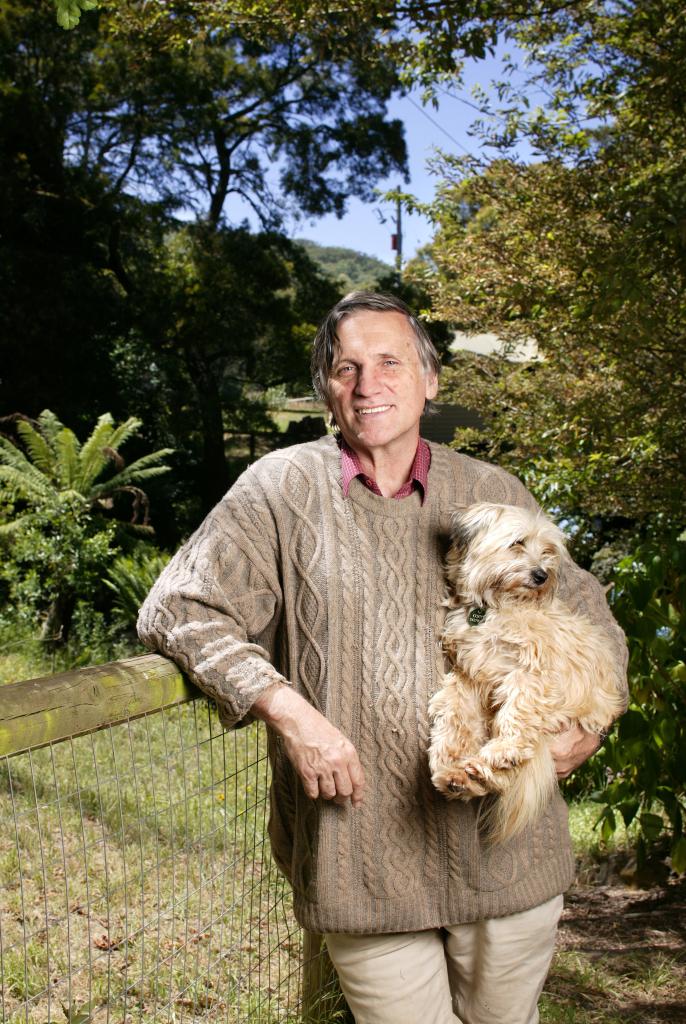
[{"x": 287, "y": 580}]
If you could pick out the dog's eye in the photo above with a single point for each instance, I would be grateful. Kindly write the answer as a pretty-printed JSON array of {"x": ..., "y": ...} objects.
[{"x": 517, "y": 544}]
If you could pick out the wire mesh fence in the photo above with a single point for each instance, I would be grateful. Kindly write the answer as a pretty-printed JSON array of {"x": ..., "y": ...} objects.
[{"x": 136, "y": 881}]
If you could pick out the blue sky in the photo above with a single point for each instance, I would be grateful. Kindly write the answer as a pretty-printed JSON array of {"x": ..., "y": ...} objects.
[{"x": 426, "y": 129}]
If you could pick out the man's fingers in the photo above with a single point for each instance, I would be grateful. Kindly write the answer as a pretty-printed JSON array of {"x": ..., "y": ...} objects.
[
  {"x": 310, "y": 785},
  {"x": 327, "y": 787},
  {"x": 323, "y": 757},
  {"x": 344, "y": 787},
  {"x": 570, "y": 748},
  {"x": 358, "y": 781}
]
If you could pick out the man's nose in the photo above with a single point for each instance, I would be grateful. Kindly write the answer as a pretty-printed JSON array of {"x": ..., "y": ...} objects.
[{"x": 367, "y": 380}]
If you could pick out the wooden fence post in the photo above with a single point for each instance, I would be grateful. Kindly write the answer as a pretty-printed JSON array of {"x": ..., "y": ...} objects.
[{"x": 322, "y": 1001}]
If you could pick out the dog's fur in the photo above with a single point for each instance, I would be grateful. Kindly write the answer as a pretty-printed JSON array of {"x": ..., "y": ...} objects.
[{"x": 529, "y": 669}]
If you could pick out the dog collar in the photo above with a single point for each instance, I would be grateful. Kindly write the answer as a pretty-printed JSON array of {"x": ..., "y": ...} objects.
[{"x": 476, "y": 615}]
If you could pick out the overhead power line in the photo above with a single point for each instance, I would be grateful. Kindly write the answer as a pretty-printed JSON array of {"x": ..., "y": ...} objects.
[{"x": 440, "y": 127}]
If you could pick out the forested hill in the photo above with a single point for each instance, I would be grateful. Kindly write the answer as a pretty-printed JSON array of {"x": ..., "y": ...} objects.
[{"x": 354, "y": 269}]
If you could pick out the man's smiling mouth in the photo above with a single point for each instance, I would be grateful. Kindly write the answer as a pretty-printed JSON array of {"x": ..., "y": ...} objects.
[{"x": 373, "y": 409}]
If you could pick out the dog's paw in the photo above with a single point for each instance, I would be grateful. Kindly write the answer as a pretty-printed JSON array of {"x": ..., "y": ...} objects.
[
  {"x": 500, "y": 756},
  {"x": 478, "y": 772},
  {"x": 456, "y": 784}
]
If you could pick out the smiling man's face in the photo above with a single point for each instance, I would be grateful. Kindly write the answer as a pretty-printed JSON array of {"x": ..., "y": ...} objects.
[{"x": 377, "y": 385}]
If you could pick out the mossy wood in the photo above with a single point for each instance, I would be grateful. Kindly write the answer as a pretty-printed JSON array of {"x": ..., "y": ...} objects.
[{"x": 39, "y": 711}]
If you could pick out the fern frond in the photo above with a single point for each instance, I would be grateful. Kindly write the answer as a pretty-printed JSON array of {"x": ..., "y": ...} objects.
[
  {"x": 14, "y": 525},
  {"x": 93, "y": 459},
  {"x": 11, "y": 455},
  {"x": 67, "y": 448},
  {"x": 124, "y": 431},
  {"x": 20, "y": 474},
  {"x": 131, "y": 577},
  {"x": 39, "y": 451},
  {"x": 142, "y": 469},
  {"x": 49, "y": 426},
  {"x": 14, "y": 484}
]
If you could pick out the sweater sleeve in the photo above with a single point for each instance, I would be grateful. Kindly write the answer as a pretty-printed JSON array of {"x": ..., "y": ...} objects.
[
  {"x": 216, "y": 607},
  {"x": 583, "y": 595}
]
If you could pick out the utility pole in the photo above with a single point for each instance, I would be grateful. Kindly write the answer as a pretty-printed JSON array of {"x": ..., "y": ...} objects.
[{"x": 397, "y": 241}]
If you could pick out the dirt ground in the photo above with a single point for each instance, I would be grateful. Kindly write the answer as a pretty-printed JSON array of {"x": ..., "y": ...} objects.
[{"x": 621, "y": 956}]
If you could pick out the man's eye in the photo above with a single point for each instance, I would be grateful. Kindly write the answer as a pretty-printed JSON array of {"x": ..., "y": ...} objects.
[{"x": 390, "y": 362}]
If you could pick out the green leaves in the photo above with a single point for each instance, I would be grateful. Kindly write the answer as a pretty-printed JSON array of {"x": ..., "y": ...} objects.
[
  {"x": 69, "y": 12},
  {"x": 130, "y": 577},
  {"x": 54, "y": 496},
  {"x": 583, "y": 253},
  {"x": 646, "y": 758},
  {"x": 56, "y": 463}
]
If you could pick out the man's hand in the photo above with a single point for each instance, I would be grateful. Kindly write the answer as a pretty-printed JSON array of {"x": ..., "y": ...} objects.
[
  {"x": 571, "y": 748},
  {"x": 323, "y": 757}
]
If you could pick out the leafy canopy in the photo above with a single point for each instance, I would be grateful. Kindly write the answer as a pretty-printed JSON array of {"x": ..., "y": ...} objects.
[{"x": 584, "y": 252}]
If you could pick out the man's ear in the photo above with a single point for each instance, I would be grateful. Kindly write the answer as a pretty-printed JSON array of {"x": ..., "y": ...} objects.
[{"x": 431, "y": 386}]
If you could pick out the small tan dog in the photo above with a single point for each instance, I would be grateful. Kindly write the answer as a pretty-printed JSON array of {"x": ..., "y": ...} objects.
[{"x": 523, "y": 666}]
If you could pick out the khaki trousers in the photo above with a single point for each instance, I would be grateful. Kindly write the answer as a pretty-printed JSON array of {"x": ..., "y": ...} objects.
[{"x": 488, "y": 972}]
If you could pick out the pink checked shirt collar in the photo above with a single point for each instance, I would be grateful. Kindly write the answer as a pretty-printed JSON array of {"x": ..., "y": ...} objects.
[{"x": 419, "y": 474}]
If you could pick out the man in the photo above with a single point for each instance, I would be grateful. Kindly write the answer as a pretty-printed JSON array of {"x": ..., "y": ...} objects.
[{"x": 311, "y": 598}]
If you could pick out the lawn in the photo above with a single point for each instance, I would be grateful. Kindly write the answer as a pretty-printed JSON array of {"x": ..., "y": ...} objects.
[
  {"x": 136, "y": 884},
  {"x": 135, "y": 877}
]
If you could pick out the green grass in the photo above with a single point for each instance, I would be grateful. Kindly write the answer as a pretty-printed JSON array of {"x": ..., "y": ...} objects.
[
  {"x": 586, "y": 839},
  {"x": 617, "y": 988},
  {"x": 23, "y": 655},
  {"x": 615, "y": 978},
  {"x": 135, "y": 873}
]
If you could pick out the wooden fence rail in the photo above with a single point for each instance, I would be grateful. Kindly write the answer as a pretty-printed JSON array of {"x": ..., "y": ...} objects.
[
  {"x": 39, "y": 711},
  {"x": 136, "y": 881}
]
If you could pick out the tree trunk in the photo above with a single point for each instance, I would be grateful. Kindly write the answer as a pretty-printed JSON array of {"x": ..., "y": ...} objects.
[
  {"x": 57, "y": 624},
  {"x": 214, "y": 472}
]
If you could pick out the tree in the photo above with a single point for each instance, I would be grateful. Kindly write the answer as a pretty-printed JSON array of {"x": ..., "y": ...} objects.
[
  {"x": 105, "y": 132},
  {"x": 584, "y": 251},
  {"x": 233, "y": 110},
  {"x": 55, "y": 495},
  {"x": 234, "y": 314},
  {"x": 59, "y": 225}
]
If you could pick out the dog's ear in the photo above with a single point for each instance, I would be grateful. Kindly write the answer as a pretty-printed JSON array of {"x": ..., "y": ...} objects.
[
  {"x": 461, "y": 526},
  {"x": 468, "y": 520}
]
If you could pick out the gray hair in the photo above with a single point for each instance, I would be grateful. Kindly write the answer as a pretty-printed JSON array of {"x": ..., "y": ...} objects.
[{"x": 326, "y": 338}]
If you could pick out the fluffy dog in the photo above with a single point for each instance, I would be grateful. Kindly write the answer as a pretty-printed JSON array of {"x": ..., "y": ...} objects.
[{"x": 523, "y": 666}]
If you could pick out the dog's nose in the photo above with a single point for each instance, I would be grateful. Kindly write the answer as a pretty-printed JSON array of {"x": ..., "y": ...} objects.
[{"x": 539, "y": 576}]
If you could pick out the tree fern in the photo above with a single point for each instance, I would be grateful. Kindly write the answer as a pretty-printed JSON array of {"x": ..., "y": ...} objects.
[
  {"x": 55, "y": 461},
  {"x": 53, "y": 494}
]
